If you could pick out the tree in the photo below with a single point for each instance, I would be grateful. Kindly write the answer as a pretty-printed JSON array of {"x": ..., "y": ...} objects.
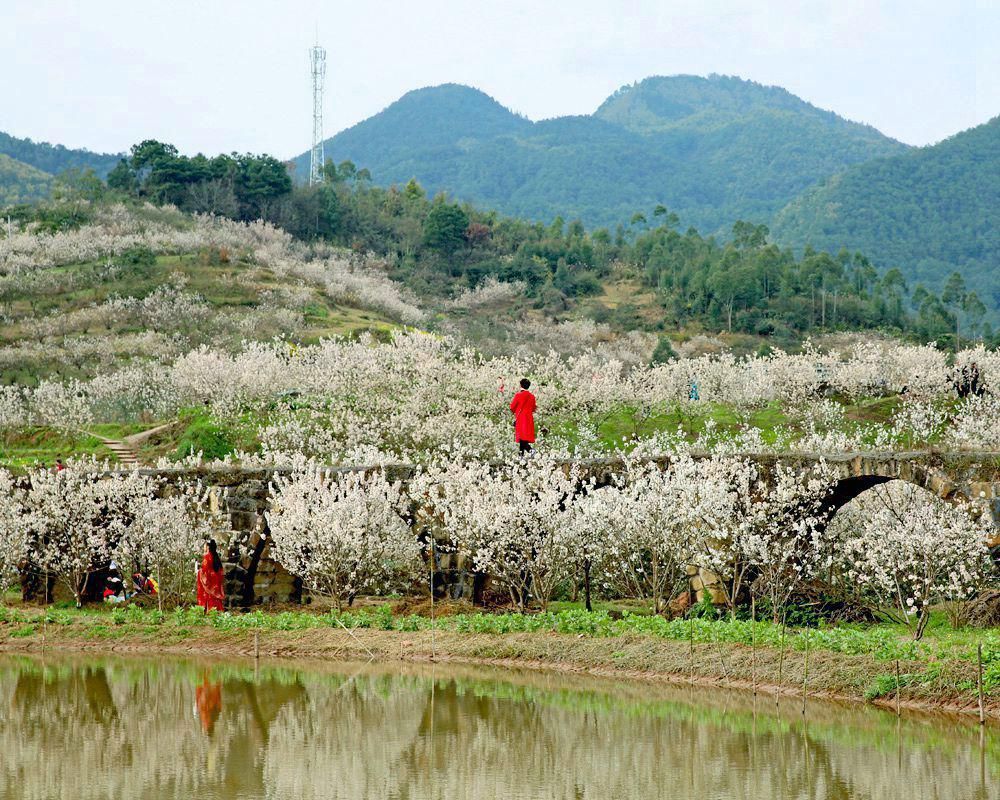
[
  {"x": 596, "y": 515},
  {"x": 163, "y": 538},
  {"x": 259, "y": 181},
  {"x": 904, "y": 550},
  {"x": 954, "y": 296},
  {"x": 658, "y": 523},
  {"x": 76, "y": 517},
  {"x": 513, "y": 523},
  {"x": 747, "y": 236},
  {"x": 664, "y": 351},
  {"x": 14, "y": 539},
  {"x": 342, "y": 536},
  {"x": 445, "y": 227}
]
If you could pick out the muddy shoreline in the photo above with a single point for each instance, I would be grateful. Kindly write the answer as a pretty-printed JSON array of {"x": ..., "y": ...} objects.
[{"x": 766, "y": 671}]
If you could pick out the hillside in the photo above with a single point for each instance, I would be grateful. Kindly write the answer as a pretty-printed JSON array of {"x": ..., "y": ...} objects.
[
  {"x": 711, "y": 149},
  {"x": 929, "y": 211},
  {"x": 21, "y": 183},
  {"x": 55, "y": 158},
  {"x": 137, "y": 284},
  {"x": 121, "y": 315}
]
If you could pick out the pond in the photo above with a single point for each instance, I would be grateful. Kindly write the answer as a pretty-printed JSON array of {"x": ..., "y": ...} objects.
[{"x": 120, "y": 728}]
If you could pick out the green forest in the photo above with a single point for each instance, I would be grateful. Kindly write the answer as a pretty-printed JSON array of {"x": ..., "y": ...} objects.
[
  {"x": 743, "y": 283},
  {"x": 934, "y": 210}
]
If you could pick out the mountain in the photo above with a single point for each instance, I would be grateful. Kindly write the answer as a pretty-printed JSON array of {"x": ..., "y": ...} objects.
[
  {"x": 929, "y": 211},
  {"x": 54, "y": 158},
  {"x": 21, "y": 183},
  {"x": 713, "y": 150}
]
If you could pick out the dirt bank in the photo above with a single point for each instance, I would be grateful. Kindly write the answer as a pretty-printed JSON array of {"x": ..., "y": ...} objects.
[{"x": 826, "y": 675}]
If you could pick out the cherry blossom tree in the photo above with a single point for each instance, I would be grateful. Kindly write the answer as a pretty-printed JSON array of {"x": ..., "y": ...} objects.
[
  {"x": 905, "y": 550},
  {"x": 342, "y": 534},
  {"x": 13, "y": 530},
  {"x": 512, "y": 522},
  {"x": 759, "y": 528},
  {"x": 591, "y": 536},
  {"x": 75, "y": 518},
  {"x": 164, "y": 536},
  {"x": 785, "y": 541},
  {"x": 655, "y": 526}
]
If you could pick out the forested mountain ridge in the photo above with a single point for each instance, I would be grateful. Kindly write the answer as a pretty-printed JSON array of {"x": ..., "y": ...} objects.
[
  {"x": 661, "y": 103},
  {"x": 929, "y": 211},
  {"x": 55, "y": 158},
  {"x": 711, "y": 149}
]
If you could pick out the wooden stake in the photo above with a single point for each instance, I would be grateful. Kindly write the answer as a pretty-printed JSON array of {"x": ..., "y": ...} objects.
[
  {"x": 433, "y": 564},
  {"x": 753, "y": 645},
  {"x": 805, "y": 677},
  {"x": 256, "y": 644},
  {"x": 691, "y": 643},
  {"x": 979, "y": 683},
  {"x": 897, "y": 687},
  {"x": 781, "y": 658}
]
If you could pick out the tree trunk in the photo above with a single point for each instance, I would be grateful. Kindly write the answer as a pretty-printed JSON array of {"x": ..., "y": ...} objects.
[{"x": 586, "y": 586}]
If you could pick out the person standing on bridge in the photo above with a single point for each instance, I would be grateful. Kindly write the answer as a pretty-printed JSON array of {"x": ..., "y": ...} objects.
[{"x": 523, "y": 407}]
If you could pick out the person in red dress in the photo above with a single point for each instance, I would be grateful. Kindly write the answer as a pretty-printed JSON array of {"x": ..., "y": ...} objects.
[
  {"x": 523, "y": 406},
  {"x": 211, "y": 593}
]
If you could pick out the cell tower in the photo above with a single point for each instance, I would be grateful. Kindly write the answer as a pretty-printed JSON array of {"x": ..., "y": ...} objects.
[{"x": 317, "y": 57}]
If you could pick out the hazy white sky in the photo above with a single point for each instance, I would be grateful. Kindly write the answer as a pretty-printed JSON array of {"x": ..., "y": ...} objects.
[{"x": 219, "y": 75}]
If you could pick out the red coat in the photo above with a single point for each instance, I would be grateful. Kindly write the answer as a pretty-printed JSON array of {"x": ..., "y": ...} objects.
[
  {"x": 523, "y": 406},
  {"x": 210, "y": 586}
]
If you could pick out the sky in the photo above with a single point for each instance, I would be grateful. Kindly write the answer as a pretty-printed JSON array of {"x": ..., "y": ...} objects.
[{"x": 219, "y": 76}]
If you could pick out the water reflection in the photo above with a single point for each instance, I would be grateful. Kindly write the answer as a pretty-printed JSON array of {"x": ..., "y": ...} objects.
[
  {"x": 208, "y": 699},
  {"x": 125, "y": 729}
]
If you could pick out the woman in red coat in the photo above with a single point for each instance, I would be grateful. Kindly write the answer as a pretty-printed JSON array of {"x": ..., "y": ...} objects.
[
  {"x": 211, "y": 593},
  {"x": 523, "y": 406}
]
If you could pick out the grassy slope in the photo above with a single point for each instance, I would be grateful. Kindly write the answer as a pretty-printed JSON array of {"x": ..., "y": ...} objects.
[
  {"x": 219, "y": 284},
  {"x": 20, "y": 182},
  {"x": 232, "y": 288}
]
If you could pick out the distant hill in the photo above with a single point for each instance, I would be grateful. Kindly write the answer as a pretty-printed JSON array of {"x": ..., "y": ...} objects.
[
  {"x": 711, "y": 149},
  {"x": 54, "y": 158},
  {"x": 21, "y": 183},
  {"x": 929, "y": 211},
  {"x": 27, "y": 168}
]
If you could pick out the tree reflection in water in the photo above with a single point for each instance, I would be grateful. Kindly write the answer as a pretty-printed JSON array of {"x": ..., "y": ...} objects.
[{"x": 124, "y": 729}]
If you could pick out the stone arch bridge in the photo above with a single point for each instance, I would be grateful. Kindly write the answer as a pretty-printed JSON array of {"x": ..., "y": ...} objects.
[{"x": 252, "y": 577}]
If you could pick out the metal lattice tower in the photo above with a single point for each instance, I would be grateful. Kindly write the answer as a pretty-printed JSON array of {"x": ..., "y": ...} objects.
[{"x": 317, "y": 57}]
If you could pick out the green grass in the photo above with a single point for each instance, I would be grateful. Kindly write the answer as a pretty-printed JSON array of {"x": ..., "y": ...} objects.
[
  {"x": 622, "y": 424},
  {"x": 882, "y": 642},
  {"x": 39, "y": 445}
]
